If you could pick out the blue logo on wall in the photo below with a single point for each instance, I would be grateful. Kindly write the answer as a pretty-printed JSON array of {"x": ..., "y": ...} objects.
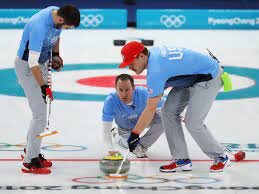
[
  {"x": 197, "y": 19},
  {"x": 11, "y": 87}
]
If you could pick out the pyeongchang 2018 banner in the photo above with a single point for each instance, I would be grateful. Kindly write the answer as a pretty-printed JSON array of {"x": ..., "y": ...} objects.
[
  {"x": 15, "y": 18},
  {"x": 90, "y": 18},
  {"x": 197, "y": 19}
]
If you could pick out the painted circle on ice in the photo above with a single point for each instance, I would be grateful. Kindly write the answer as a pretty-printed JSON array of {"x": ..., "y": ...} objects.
[
  {"x": 64, "y": 148},
  {"x": 92, "y": 180},
  {"x": 11, "y": 87},
  {"x": 108, "y": 81},
  {"x": 148, "y": 180},
  {"x": 197, "y": 180},
  {"x": 132, "y": 178},
  {"x": 46, "y": 146}
]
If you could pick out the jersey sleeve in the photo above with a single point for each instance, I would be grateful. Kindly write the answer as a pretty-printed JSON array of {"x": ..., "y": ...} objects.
[
  {"x": 37, "y": 35},
  {"x": 108, "y": 111}
]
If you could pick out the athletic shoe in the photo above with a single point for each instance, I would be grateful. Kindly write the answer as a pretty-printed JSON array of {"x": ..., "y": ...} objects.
[
  {"x": 180, "y": 164},
  {"x": 35, "y": 167},
  {"x": 46, "y": 163},
  {"x": 220, "y": 163}
]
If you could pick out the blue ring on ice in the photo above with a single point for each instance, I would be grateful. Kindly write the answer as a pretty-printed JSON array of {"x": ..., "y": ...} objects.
[{"x": 9, "y": 84}]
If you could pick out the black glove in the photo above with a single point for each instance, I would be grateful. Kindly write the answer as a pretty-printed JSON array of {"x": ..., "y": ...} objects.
[
  {"x": 46, "y": 91},
  {"x": 57, "y": 62},
  {"x": 133, "y": 141}
]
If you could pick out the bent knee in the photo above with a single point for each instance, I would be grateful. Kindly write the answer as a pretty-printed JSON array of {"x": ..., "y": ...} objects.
[{"x": 191, "y": 124}]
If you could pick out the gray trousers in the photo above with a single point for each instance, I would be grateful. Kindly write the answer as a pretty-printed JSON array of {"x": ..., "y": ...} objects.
[
  {"x": 37, "y": 106},
  {"x": 198, "y": 100},
  {"x": 154, "y": 132}
]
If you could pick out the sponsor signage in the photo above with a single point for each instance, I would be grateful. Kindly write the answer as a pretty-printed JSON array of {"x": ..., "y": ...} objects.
[
  {"x": 197, "y": 19},
  {"x": 15, "y": 18},
  {"x": 90, "y": 18}
]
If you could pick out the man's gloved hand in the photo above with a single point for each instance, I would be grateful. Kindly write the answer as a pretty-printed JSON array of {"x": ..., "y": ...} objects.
[
  {"x": 113, "y": 153},
  {"x": 46, "y": 91},
  {"x": 133, "y": 141},
  {"x": 57, "y": 62}
]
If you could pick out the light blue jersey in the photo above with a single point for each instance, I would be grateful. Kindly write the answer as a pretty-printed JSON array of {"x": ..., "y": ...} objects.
[
  {"x": 178, "y": 68},
  {"x": 39, "y": 35},
  {"x": 125, "y": 116}
]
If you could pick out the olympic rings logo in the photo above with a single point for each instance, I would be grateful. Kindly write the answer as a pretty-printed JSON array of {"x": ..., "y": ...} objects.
[
  {"x": 196, "y": 180},
  {"x": 47, "y": 147},
  {"x": 172, "y": 20},
  {"x": 91, "y": 20},
  {"x": 131, "y": 179},
  {"x": 153, "y": 179}
]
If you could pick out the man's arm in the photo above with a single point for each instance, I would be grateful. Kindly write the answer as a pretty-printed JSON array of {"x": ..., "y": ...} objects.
[
  {"x": 36, "y": 72},
  {"x": 35, "y": 68},
  {"x": 147, "y": 115},
  {"x": 37, "y": 36},
  {"x": 106, "y": 135},
  {"x": 55, "y": 48},
  {"x": 57, "y": 61},
  {"x": 107, "y": 123}
]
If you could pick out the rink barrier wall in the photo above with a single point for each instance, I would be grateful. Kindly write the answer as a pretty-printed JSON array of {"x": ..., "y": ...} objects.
[
  {"x": 90, "y": 18},
  {"x": 197, "y": 19},
  {"x": 147, "y": 18}
]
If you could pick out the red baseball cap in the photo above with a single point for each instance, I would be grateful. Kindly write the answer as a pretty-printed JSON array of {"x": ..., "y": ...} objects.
[{"x": 129, "y": 52}]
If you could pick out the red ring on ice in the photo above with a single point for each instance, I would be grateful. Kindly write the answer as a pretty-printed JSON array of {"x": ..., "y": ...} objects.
[{"x": 108, "y": 81}]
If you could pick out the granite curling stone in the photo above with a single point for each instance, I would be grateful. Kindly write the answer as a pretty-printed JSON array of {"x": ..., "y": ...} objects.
[{"x": 110, "y": 164}]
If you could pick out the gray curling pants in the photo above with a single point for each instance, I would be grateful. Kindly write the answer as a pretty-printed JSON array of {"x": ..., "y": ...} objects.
[
  {"x": 37, "y": 106},
  {"x": 198, "y": 100},
  {"x": 154, "y": 132}
]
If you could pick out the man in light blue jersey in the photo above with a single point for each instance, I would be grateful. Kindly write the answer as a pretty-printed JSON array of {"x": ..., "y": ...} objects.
[
  {"x": 195, "y": 79},
  {"x": 125, "y": 107},
  {"x": 40, "y": 41}
]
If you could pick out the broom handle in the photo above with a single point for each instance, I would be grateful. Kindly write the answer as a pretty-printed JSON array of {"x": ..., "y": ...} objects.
[
  {"x": 124, "y": 159},
  {"x": 49, "y": 81},
  {"x": 127, "y": 154}
]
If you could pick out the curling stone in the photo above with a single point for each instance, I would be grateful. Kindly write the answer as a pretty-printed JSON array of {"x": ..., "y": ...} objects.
[
  {"x": 147, "y": 42},
  {"x": 119, "y": 42},
  {"x": 239, "y": 156},
  {"x": 110, "y": 164}
]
